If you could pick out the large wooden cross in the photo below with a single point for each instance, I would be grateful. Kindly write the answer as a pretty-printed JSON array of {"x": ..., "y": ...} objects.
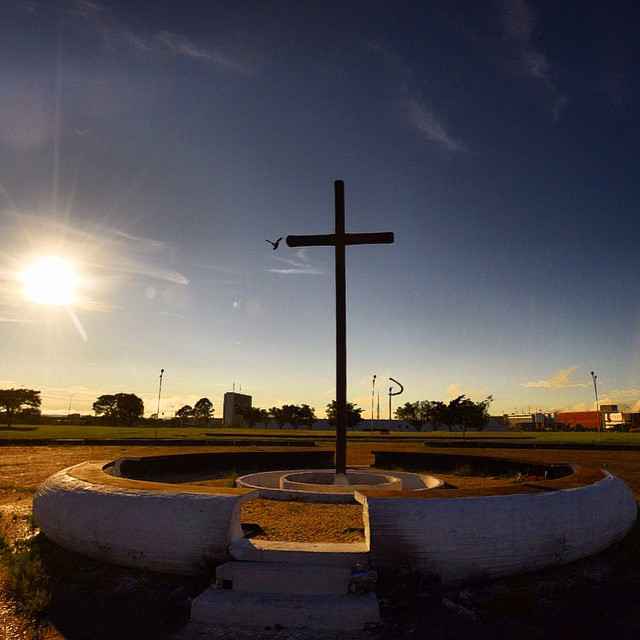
[{"x": 340, "y": 239}]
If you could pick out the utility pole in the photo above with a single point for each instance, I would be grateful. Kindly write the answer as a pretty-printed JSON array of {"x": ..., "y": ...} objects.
[
  {"x": 378, "y": 416},
  {"x": 158, "y": 409},
  {"x": 594, "y": 377},
  {"x": 373, "y": 391}
]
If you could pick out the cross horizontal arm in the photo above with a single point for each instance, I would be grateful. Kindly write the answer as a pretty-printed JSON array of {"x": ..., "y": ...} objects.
[
  {"x": 369, "y": 238},
  {"x": 329, "y": 240}
]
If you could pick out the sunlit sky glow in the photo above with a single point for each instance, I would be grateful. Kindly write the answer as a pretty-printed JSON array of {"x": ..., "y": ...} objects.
[{"x": 148, "y": 149}]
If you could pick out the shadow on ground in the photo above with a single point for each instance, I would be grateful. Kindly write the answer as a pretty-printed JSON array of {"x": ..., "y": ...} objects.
[{"x": 594, "y": 598}]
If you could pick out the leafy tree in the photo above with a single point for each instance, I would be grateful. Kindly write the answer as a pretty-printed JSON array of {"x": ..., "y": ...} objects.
[
  {"x": 289, "y": 413},
  {"x": 16, "y": 400},
  {"x": 105, "y": 406},
  {"x": 354, "y": 413},
  {"x": 415, "y": 413},
  {"x": 121, "y": 407},
  {"x": 292, "y": 414},
  {"x": 462, "y": 411},
  {"x": 474, "y": 415},
  {"x": 185, "y": 412},
  {"x": 276, "y": 414},
  {"x": 129, "y": 407},
  {"x": 203, "y": 409},
  {"x": 441, "y": 414},
  {"x": 253, "y": 415},
  {"x": 306, "y": 415}
]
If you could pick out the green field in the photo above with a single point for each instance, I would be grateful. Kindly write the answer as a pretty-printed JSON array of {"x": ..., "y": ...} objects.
[{"x": 101, "y": 432}]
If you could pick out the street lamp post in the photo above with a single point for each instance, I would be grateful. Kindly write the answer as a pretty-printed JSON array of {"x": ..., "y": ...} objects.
[
  {"x": 594, "y": 377},
  {"x": 159, "y": 393},
  {"x": 373, "y": 391}
]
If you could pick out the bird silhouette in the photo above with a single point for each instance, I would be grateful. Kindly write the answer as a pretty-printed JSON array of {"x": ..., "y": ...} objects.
[{"x": 274, "y": 244}]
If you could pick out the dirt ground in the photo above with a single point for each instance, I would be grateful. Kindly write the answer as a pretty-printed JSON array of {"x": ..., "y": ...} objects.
[{"x": 22, "y": 469}]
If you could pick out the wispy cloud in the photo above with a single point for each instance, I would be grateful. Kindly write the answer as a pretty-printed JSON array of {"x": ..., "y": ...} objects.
[
  {"x": 561, "y": 379},
  {"x": 519, "y": 22},
  {"x": 116, "y": 34},
  {"x": 420, "y": 116},
  {"x": 298, "y": 266},
  {"x": 432, "y": 127},
  {"x": 180, "y": 45}
]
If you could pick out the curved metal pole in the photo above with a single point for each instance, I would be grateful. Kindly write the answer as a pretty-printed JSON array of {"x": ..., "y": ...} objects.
[{"x": 394, "y": 393}]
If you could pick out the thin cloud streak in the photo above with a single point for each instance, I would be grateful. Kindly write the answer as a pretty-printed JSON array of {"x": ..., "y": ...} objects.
[
  {"x": 298, "y": 266},
  {"x": 115, "y": 34},
  {"x": 519, "y": 22},
  {"x": 561, "y": 379},
  {"x": 431, "y": 126}
]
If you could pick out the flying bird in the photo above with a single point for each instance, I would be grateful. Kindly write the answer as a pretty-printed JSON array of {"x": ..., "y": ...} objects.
[{"x": 274, "y": 244}]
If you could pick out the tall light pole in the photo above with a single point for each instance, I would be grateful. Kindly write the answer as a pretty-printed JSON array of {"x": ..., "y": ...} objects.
[
  {"x": 69, "y": 409},
  {"x": 373, "y": 391},
  {"x": 159, "y": 393},
  {"x": 594, "y": 377}
]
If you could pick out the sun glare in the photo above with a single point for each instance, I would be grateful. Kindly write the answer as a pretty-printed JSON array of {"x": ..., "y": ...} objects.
[{"x": 50, "y": 280}]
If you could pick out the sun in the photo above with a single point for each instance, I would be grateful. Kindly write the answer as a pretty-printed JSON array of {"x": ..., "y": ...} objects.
[{"x": 50, "y": 280}]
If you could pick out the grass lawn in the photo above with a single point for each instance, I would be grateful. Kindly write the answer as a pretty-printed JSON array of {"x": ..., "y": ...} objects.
[{"x": 211, "y": 433}]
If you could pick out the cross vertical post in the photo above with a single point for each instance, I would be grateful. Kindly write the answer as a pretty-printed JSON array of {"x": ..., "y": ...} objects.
[
  {"x": 341, "y": 333},
  {"x": 339, "y": 240}
]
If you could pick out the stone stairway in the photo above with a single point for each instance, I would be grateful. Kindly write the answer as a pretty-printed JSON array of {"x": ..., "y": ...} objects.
[{"x": 292, "y": 585}]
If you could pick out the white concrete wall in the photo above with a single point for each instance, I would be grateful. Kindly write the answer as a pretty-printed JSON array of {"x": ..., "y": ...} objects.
[
  {"x": 167, "y": 531},
  {"x": 462, "y": 539}
]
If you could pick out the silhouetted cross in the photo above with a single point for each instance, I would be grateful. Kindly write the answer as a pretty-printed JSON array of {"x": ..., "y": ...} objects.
[{"x": 340, "y": 239}]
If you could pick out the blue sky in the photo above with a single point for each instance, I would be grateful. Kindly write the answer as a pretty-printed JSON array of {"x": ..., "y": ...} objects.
[{"x": 156, "y": 146}]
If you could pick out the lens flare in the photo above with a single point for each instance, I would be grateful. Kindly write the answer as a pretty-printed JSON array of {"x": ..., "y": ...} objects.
[{"x": 50, "y": 280}]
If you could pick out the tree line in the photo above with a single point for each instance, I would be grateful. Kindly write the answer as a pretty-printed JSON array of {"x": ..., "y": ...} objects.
[
  {"x": 459, "y": 412},
  {"x": 297, "y": 415},
  {"x": 128, "y": 408}
]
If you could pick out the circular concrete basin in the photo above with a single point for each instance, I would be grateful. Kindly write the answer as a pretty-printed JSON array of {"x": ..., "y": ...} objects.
[{"x": 330, "y": 482}]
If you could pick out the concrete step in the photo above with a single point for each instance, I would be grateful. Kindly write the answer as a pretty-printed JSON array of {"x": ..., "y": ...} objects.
[
  {"x": 215, "y": 608},
  {"x": 283, "y": 578},
  {"x": 316, "y": 553}
]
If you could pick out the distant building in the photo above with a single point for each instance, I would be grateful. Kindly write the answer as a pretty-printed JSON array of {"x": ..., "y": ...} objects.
[
  {"x": 529, "y": 421},
  {"x": 234, "y": 405},
  {"x": 586, "y": 419},
  {"x": 609, "y": 417}
]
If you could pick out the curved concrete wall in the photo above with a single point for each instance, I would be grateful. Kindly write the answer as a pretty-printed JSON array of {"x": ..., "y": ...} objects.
[
  {"x": 165, "y": 528},
  {"x": 466, "y": 538}
]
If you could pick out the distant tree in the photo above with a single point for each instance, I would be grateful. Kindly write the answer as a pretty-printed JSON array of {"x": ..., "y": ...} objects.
[
  {"x": 14, "y": 401},
  {"x": 129, "y": 407},
  {"x": 203, "y": 409},
  {"x": 253, "y": 415},
  {"x": 121, "y": 407},
  {"x": 463, "y": 412},
  {"x": 415, "y": 413},
  {"x": 105, "y": 405},
  {"x": 306, "y": 415},
  {"x": 354, "y": 413},
  {"x": 276, "y": 414},
  {"x": 474, "y": 415},
  {"x": 185, "y": 412},
  {"x": 441, "y": 414}
]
